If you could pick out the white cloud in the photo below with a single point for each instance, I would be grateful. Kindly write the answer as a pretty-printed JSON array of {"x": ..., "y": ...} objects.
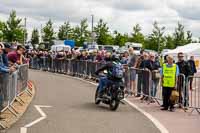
[{"x": 120, "y": 15}]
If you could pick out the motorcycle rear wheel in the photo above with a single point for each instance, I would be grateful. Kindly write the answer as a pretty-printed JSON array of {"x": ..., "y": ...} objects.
[{"x": 97, "y": 101}]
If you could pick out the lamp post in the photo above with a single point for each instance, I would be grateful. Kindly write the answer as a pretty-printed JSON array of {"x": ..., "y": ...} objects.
[
  {"x": 92, "y": 34},
  {"x": 24, "y": 30}
]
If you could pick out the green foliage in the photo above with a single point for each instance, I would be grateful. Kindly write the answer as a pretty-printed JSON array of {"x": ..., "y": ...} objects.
[
  {"x": 48, "y": 33},
  {"x": 13, "y": 30},
  {"x": 189, "y": 37},
  {"x": 2, "y": 26},
  {"x": 102, "y": 33},
  {"x": 120, "y": 39},
  {"x": 65, "y": 31},
  {"x": 179, "y": 35},
  {"x": 35, "y": 37},
  {"x": 169, "y": 42},
  {"x": 155, "y": 40},
  {"x": 80, "y": 33},
  {"x": 137, "y": 36}
]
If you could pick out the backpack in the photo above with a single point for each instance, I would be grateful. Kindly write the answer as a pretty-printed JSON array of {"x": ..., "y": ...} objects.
[{"x": 117, "y": 70}]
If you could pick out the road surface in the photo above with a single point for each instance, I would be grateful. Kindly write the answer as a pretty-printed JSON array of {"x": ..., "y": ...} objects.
[{"x": 73, "y": 109}]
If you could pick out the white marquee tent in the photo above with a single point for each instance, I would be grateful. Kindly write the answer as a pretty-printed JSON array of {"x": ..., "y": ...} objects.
[{"x": 188, "y": 50}]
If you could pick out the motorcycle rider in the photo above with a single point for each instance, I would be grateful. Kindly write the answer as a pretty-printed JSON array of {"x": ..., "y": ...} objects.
[{"x": 110, "y": 76}]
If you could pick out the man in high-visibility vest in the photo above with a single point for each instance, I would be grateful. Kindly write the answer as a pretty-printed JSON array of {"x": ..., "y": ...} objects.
[{"x": 169, "y": 73}]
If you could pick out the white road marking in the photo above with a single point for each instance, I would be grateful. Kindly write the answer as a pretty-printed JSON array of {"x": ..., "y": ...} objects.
[
  {"x": 43, "y": 116},
  {"x": 150, "y": 117},
  {"x": 156, "y": 122}
]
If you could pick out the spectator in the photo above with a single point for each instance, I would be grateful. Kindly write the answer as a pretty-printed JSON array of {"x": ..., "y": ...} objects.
[
  {"x": 126, "y": 74},
  {"x": 3, "y": 67},
  {"x": 59, "y": 61},
  {"x": 185, "y": 69},
  {"x": 99, "y": 57},
  {"x": 90, "y": 57},
  {"x": 140, "y": 75},
  {"x": 40, "y": 59},
  {"x": 155, "y": 65},
  {"x": 107, "y": 57},
  {"x": 132, "y": 63},
  {"x": 193, "y": 69},
  {"x": 16, "y": 56},
  {"x": 169, "y": 72},
  {"x": 125, "y": 58},
  {"x": 94, "y": 55},
  {"x": 146, "y": 66},
  {"x": 53, "y": 57},
  {"x": 49, "y": 60},
  {"x": 6, "y": 50}
]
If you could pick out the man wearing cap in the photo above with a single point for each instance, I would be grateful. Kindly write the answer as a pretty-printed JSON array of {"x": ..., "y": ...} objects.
[{"x": 169, "y": 73}]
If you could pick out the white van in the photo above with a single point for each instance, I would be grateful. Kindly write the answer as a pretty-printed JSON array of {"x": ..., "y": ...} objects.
[
  {"x": 110, "y": 48},
  {"x": 60, "y": 47},
  {"x": 136, "y": 46}
]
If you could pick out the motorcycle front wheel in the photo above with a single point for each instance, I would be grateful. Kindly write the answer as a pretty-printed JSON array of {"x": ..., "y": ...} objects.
[{"x": 114, "y": 104}]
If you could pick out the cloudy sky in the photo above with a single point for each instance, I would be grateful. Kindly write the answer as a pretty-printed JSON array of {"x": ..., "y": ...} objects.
[{"x": 120, "y": 15}]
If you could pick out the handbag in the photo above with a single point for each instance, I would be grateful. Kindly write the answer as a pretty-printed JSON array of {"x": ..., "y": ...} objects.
[
  {"x": 174, "y": 96},
  {"x": 156, "y": 75}
]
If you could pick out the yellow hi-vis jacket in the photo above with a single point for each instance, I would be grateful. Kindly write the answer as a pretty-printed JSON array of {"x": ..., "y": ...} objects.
[{"x": 169, "y": 75}]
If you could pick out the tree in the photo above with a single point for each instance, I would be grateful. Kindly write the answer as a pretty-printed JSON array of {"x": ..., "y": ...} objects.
[
  {"x": 137, "y": 36},
  {"x": 179, "y": 35},
  {"x": 35, "y": 37},
  {"x": 65, "y": 31},
  {"x": 169, "y": 42},
  {"x": 155, "y": 40},
  {"x": 2, "y": 26},
  {"x": 189, "y": 37},
  {"x": 102, "y": 33},
  {"x": 48, "y": 33},
  {"x": 109, "y": 40},
  {"x": 13, "y": 30},
  {"x": 80, "y": 33},
  {"x": 119, "y": 39}
]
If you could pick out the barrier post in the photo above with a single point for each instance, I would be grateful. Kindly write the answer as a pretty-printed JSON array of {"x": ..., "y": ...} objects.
[{"x": 194, "y": 96}]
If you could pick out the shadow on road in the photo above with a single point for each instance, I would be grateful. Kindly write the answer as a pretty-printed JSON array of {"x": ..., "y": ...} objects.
[{"x": 102, "y": 108}]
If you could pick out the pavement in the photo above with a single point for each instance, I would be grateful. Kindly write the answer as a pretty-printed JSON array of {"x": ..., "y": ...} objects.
[
  {"x": 73, "y": 110},
  {"x": 175, "y": 122}
]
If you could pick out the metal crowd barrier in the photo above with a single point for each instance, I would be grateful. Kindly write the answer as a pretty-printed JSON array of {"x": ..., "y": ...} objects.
[
  {"x": 193, "y": 87},
  {"x": 22, "y": 79},
  {"x": 138, "y": 81},
  {"x": 146, "y": 83},
  {"x": 4, "y": 90},
  {"x": 11, "y": 87}
]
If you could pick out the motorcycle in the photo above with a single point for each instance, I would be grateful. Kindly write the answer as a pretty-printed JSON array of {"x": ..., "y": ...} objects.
[{"x": 112, "y": 95}]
